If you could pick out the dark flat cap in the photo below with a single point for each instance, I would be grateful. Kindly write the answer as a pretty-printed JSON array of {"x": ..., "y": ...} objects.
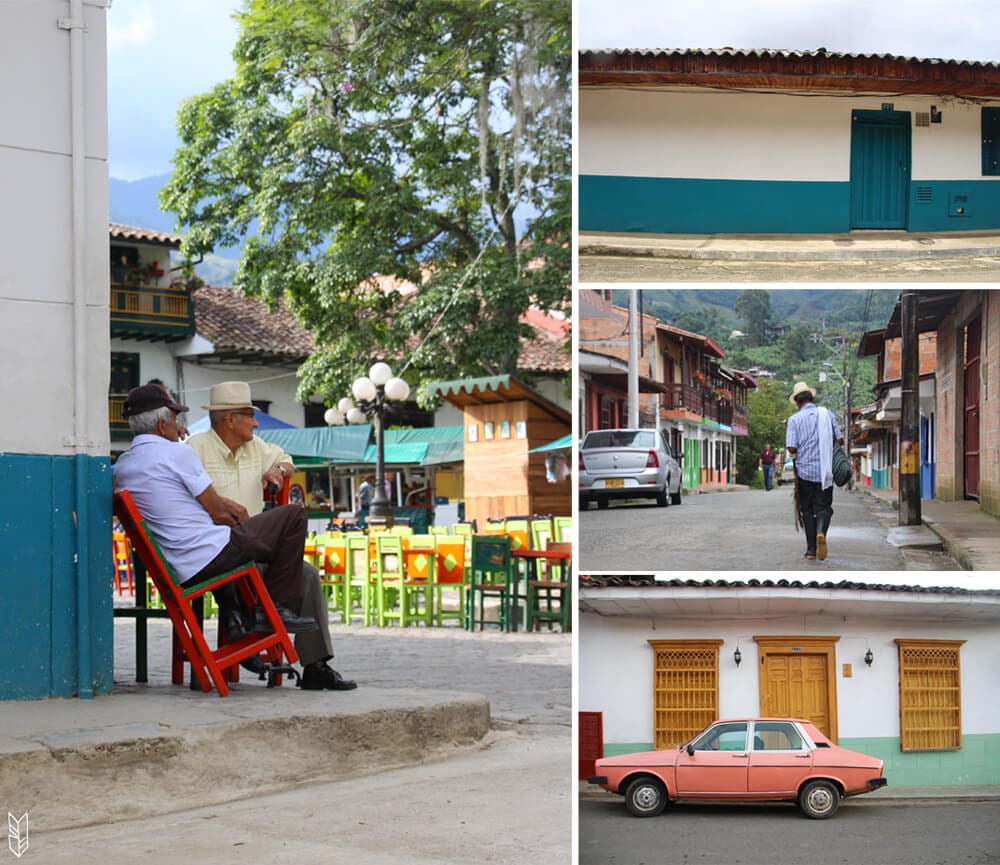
[{"x": 147, "y": 398}]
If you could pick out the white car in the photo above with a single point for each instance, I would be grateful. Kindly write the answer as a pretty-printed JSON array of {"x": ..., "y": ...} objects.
[{"x": 628, "y": 464}]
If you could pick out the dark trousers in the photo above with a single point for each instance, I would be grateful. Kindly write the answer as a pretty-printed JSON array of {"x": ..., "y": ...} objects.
[
  {"x": 276, "y": 537},
  {"x": 815, "y": 508}
]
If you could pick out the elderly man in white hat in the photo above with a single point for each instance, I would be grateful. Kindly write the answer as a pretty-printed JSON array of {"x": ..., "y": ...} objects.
[
  {"x": 809, "y": 438},
  {"x": 241, "y": 465}
]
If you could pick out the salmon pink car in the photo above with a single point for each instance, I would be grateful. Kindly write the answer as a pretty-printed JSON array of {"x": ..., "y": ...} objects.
[{"x": 744, "y": 760}]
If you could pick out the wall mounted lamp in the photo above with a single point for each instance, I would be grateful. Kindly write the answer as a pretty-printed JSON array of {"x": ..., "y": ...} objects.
[
  {"x": 869, "y": 657},
  {"x": 737, "y": 656}
]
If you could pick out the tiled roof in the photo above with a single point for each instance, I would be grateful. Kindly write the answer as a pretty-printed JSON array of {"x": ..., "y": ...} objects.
[
  {"x": 607, "y": 581},
  {"x": 142, "y": 235},
  {"x": 818, "y": 53},
  {"x": 238, "y": 325}
]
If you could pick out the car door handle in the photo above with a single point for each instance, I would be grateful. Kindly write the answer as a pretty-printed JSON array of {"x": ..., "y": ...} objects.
[{"x": 739, "y": 755}]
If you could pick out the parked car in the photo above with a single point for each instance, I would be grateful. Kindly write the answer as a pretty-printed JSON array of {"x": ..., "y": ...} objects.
[
  {"x": 628, "y": 464},
  {"x": 744, "y": 760},
  {"x": 786, "y": 474}
]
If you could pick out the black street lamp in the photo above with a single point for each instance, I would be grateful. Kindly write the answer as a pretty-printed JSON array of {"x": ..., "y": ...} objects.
[{"x": 376, "y": 394}]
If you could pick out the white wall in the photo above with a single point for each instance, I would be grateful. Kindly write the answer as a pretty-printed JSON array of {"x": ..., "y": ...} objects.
[
  {"x": 615, "y": 669},
  {"x": 37, "y": 365},
  {"x": 758, "y": 136}
]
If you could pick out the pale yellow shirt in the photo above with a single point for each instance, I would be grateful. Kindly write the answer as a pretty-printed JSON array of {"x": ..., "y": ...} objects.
[{"x": 237, "y": 476}]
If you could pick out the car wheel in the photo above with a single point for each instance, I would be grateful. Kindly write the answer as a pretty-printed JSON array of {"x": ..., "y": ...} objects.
[
  {"x": 819, "y": 800},
  {"x": 675, "y": 498},
  {"x": 646, "y": 797},
  {"x": 602, "y": 504},
  {"x": 661, "y": 499},
  {"x": 584, "y": 503}
]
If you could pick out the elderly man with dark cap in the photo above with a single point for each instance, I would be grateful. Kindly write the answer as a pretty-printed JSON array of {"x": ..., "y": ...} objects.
[
  {"x": 200, "y": 532},
  {"x": 809, "y": 438}
]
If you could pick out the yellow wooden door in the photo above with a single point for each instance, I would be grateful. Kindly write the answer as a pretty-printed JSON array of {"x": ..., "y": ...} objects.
[{"x": 796, "y": 686}]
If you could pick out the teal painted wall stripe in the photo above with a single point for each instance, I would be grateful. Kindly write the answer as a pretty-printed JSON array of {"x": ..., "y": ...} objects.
[
  {"x": 678, "y": 205},
  {"x": 38, "y": 657},
  {"x": 691, "y": 206},
  {"x": 977, "y": 763}
]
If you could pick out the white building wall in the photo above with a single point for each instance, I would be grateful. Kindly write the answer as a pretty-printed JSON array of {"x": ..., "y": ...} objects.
[
  {"x": 37, "y": 366},
  {"x": 758, "y": 136},
  {"x": 615, "y": 669}
]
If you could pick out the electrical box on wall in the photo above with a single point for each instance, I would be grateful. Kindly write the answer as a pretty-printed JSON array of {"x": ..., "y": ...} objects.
[{"x": 958, "y": 204}]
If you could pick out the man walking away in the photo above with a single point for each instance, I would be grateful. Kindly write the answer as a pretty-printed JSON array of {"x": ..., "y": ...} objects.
[{"x": 809, "y": 438}]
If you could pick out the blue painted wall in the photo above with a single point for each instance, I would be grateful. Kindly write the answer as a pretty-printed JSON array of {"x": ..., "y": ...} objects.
[
  {"x": 38, "y": 580},
  {"x": 690, "y": 206}
]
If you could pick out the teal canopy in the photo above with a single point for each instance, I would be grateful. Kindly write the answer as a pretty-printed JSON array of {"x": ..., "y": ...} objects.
[
  {"x": 335, "y": 443},
  {"x": 356, "y": 444},
  {"x": 564, "y": 442}
]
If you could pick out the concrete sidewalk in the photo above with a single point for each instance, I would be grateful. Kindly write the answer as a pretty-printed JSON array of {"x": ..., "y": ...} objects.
[
  {"x": 146, "y": 749},
  {"x": 968, "y": 534},
  {"x": 867, "y": 245}
]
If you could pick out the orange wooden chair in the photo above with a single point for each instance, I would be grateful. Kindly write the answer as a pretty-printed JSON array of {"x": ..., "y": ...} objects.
[
  {"x": 451, "y": 575},
  {"x": 209, "y": 667}
]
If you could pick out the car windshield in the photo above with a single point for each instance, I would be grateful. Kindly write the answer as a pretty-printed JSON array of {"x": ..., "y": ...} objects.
[{"x": 620, "y": 438}]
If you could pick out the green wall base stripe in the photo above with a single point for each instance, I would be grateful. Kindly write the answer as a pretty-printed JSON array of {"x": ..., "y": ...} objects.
[
  {"x": 676, "y": 205},
  {"x": 38, "y": 582}
]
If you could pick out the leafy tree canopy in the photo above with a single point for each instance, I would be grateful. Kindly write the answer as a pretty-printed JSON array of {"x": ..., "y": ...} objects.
[
  {"x": 754, "y": 307},
  {"x": 426, "y": 140}
]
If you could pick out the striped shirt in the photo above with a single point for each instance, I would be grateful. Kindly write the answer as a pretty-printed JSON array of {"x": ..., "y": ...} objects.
[{"x": 802, "y": 433}]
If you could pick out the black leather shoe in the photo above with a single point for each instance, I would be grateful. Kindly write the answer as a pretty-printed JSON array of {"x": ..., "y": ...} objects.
[
  {"x": 236, "y": 628},
  {"x": 293, "y": 624},
  {"x": 322, "y": 677},
  {"x": 255, "y": 664}
]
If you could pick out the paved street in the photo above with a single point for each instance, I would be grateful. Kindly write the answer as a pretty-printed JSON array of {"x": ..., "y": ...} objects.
[
  {"x": 745, "y": 530},
  {"x": 508, "y": 799},
  {"x": 863, "y": 831},
  {"x": 625, "y": 268}
]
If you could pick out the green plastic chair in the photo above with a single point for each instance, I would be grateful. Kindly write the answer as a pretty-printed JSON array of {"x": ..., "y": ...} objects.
[
  {"x": 542, "y": 594},
  {"x": 388, "y": 576},
  {"x": 451, "y": 574},
  {"x": 541, "y": 532},
  {"x": 491, "y": 575},
  {"x": 359, "y": 587},
  {"x": 562, "y": 529},
  {"x": 416, "y": 592}
]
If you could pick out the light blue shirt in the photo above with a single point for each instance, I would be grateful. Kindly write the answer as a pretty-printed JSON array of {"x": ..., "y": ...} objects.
[
  {"x": 165, "y": 478},
  {"x": 803, "y": 433}
]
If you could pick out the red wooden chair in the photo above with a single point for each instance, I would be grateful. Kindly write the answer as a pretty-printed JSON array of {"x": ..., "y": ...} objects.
[{"x": 189, "y": 642}]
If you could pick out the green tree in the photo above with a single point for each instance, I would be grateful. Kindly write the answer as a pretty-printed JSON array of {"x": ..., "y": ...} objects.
[
  {"x": 768, "y": 410},
  {"x": 754, "y": 307},
  {"x": 362, "y": 141}
]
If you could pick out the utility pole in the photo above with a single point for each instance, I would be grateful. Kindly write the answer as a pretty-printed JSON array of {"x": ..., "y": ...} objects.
[
  {"x": 909, "y": 423},
  {"x": 633, "y": 359}
]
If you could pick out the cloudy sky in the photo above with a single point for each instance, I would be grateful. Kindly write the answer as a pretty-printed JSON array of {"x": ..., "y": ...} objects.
[
  {"x": 947, "y": 29},
  {"x": 159, "y": 53}
]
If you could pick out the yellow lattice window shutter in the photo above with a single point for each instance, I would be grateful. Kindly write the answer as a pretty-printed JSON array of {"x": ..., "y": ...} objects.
[
  {"x": 685, "y": 689},
  {"x": 930, "y": 695}
]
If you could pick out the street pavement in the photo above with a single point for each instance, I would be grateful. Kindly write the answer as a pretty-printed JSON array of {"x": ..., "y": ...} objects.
[
  {"x": 869, "y": 256},
  {"x": 445, "y": 725},
  {"x": 753, "y": 530}
]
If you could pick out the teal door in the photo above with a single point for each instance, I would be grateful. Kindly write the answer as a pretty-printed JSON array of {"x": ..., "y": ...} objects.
[{"x": 880, "y": 168}]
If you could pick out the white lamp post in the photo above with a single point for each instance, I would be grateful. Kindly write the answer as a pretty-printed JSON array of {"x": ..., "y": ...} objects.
[{"x": 376, "y": 394}]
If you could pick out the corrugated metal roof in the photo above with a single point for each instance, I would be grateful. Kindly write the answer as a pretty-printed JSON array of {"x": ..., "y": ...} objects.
[{"x": 784, "y": 52}]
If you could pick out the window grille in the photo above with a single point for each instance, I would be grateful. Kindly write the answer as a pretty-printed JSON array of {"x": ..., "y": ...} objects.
[
  {"x": 930, "y": 695},
  {"x": 685, "y": 689}
]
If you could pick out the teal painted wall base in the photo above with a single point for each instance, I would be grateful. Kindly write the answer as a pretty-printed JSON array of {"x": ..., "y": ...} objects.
[
  {"x": 672, "y": 205},
  {"x": 684, "y": 206},
  {"x": 977, "y": 763},
  {"x": 41, "y": 651}
]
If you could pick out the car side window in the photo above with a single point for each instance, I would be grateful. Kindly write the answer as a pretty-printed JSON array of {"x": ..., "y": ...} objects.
[
  {"x": 776, "y": 736},
  {"x": 723, "y": 737}
]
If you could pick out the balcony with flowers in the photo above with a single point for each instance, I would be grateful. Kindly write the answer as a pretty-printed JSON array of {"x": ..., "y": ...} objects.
[{"x": 148, "y": 298}]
